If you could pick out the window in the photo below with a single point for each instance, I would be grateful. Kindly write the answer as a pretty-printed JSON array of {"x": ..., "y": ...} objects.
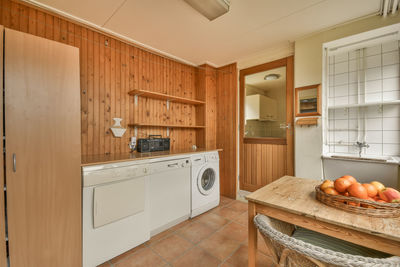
[{"x": 362, "y": 95}]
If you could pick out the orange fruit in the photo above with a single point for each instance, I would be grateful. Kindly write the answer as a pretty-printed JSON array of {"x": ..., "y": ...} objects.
[
  {"x": 371, "y": 190},
  {"x": 350, "y": 178},
  {"x": 379, "y": 186},
  {"x": 357, "y": 190},
  {"x": 326, "y": 184},
  {"x": 331, "y": 191},
  {"x": 342, "y": 184}
]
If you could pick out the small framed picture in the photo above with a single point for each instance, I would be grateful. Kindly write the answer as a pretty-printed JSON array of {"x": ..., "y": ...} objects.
[{"x": 308, "y": 100}]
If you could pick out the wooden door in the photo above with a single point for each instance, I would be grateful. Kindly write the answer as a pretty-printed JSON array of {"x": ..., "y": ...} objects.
[
  {"x": 42, "y": 126},
  {"x": 265, "y": 159},
  {"x": 3, "y": 250}
]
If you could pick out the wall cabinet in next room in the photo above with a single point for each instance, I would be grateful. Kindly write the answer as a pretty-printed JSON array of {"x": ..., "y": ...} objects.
[{"x": 260, "y": 107}]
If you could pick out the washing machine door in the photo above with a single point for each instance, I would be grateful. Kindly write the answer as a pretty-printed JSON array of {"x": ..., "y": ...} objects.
[{"x": 206, "y": 180}]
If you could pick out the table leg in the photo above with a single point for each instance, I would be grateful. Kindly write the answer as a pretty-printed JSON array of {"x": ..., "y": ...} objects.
[{"x": 252, "y": 235}]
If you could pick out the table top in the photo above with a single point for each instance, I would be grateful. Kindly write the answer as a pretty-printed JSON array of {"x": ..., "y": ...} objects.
[
  {"x": 121, "y": 157},
  {"x": 297, "y": 195}
]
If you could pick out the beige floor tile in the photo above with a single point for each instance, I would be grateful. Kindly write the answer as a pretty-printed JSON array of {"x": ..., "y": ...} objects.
[
  {"x": 212, "y": 220},
  {"x": 143, "y": 258},
  {"x": 243, "y": 219},
  {"x": 171, "y": 247},
  {"x": 238, "y": 206},
  {"x": 179, "y": 226},
  {"x": 223, "y": 201},
  {"x": 160, "y": 236},
  {"x": 219, "y": 245},
  {"x": 196, "y": 257},
  {"x": 128, "y": 253},
  {"x": 227, "y": 213},
  {"x": 240, "y": 258},
  {"x": 195, "y": 232},
  {"x": 235, "y": 231}
]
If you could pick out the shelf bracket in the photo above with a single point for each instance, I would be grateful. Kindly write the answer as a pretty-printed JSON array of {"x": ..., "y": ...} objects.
[
  {"x": 168, "y": 104},
  {"x": 135, "y": 131},
  {"x": 167, "y": 129},
  {"x": 136, "y": 100}
]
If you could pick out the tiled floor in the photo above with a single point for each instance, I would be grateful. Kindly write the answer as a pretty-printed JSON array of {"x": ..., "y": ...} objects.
[{"x": 215, "y": 238}]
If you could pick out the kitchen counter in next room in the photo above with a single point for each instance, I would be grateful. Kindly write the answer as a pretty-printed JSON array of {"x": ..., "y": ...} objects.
[{"x": 111, "y": 158}]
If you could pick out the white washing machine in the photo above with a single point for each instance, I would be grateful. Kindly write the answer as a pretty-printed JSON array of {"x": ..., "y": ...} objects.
[{"x": 205, "y": 182}]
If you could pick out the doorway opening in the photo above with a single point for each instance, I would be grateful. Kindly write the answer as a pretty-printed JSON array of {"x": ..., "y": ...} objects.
[{"x": 266, "y": 123}]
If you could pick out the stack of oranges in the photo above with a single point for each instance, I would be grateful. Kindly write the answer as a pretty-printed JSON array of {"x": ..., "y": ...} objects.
[{"x": 347, "y": 185}]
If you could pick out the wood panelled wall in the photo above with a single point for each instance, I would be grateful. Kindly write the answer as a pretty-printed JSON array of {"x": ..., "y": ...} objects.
[
  {"x": 227, "y": 127},
  {"x": 263, "y": 164},
  {"x": 207, "y": 89},
  {"x": 109, "y": 68}
]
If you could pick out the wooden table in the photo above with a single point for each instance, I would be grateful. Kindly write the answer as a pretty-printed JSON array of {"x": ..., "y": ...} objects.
[{"x": 292, "y": 200}]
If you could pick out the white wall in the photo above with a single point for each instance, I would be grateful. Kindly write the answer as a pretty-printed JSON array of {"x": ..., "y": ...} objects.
[
  {"x": 269, "y": 54},
  {"x": 308, "y": 71}
]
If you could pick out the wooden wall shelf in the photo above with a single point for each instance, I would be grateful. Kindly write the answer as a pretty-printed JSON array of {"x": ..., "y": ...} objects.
[
  {"x": 161, "y": 96},
  {"x": 307, "y": 121},
  {"x": 165, "y": 125}
]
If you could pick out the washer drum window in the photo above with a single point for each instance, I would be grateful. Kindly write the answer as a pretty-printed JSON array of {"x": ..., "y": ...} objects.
[{"x": 206, "y": 181}]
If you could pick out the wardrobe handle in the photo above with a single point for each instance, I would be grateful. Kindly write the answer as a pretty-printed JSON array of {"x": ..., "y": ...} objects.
[{"x": 14, "y": 162}]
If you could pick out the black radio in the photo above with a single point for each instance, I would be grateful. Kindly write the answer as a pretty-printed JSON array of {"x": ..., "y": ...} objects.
[{"x": 153, "y": 143}]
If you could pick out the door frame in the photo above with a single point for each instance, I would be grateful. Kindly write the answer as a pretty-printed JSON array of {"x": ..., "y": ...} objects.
[{"x": 284, "y": 62}]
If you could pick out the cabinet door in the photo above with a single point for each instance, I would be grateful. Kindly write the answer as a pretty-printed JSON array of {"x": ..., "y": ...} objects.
[
  {"x": 42, "y": 126},
  {"x": 3, "y": 251}
]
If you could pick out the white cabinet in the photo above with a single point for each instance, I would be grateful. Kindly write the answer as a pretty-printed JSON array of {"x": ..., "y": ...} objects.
[{"x": 259, "y": 107}]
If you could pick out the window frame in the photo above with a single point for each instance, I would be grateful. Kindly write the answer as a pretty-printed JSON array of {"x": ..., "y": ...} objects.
[{"x": 350, "y": 43}]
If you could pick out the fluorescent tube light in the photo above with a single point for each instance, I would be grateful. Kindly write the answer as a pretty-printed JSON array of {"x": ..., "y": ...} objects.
[{"x": 211, "y": 9}]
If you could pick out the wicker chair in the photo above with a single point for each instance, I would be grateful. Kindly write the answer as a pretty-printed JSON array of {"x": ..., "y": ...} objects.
[{"x": 289, "y": 251}]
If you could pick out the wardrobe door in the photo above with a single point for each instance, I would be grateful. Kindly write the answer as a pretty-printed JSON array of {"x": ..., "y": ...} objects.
[
  {"x": 42, "y": 124},
  {"x": 3, "y": 251}
]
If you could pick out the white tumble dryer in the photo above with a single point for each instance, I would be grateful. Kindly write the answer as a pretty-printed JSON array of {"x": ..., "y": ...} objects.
[{"x": 205, "y": 182}]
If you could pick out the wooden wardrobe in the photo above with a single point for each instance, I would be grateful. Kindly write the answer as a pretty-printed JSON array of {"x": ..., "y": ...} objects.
[{"x": 42, "y": 152}]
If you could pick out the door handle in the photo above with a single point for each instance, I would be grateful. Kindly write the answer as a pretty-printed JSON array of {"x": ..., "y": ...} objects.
[
  {"x": 14, "y": 162},
  {"x": 285, "y": 126}
]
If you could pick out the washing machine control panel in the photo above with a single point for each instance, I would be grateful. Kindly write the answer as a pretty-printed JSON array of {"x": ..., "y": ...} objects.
[{"x": 212, "y": 157}]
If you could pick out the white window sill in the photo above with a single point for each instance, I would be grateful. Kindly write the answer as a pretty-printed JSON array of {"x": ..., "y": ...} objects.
[{"x": 363, "y": 158}]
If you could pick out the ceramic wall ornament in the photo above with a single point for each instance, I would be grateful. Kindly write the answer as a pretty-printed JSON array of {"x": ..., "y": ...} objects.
[{"x": 117, "y": 129}]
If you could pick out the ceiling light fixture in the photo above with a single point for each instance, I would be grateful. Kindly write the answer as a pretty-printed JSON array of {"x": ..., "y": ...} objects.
[
  {"x": 211, "y": 9},
  {"x": 271, "y": 77}
]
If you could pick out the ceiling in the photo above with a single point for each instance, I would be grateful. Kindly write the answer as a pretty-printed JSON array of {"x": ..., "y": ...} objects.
[
  {"x": 257, "y": 79},
  {"x": 176, "y": 29}
]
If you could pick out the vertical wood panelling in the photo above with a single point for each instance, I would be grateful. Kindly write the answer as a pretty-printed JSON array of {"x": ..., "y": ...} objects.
[
  {"x": 110, "y": 68},
  {"x": 263, "y": 164},
  {"x": 226, "y": 127}
]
